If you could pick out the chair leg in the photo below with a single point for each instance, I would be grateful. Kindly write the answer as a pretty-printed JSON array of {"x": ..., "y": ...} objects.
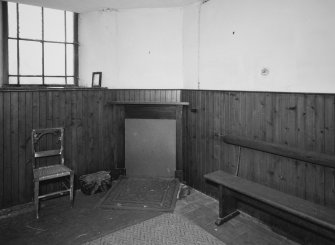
[
  {"x": 36, "y": 193},
  {"x": 71, "y": 188}
]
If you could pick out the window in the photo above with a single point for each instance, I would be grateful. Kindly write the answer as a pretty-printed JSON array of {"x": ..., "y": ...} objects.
[{"x": 41, "y": 47}]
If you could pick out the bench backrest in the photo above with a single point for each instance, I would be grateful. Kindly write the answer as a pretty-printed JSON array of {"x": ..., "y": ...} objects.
[{"x": 282, "y": 150}]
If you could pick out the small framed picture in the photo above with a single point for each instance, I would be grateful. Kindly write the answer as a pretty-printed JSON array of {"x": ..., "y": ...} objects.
[{"x": 96, "y": 79}]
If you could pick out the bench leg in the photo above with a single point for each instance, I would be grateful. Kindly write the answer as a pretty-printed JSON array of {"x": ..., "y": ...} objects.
[{"x": 227, "y": 206}]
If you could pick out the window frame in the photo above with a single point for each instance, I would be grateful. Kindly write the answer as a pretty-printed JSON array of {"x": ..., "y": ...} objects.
[{"x": 6, "y": 38}]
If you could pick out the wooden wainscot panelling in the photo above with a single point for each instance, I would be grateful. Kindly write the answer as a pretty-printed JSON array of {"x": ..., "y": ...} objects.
[
  {"x": 93, "y": 132},
  {"x": 294, "y": 120}
]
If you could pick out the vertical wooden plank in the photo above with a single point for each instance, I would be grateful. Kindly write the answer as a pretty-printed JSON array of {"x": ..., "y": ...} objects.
[
  {"x": 179, "y": 142},
  {"x": 62, "y": 109},
  {"x": 260, "y": 133},
  {"x": 137, "y": 95},
  {"x": 210, "y": 137},
  {"x": 168, "y": 95},
  {"x": 28, "y": 180},
  {"x": 222, "y": 121},
  {"x": 186, "y": 142},
  {"x": 68, "y": 128},
  {"x": 274, "y": 166},
  {"x": 206, "y": 161},
  {"x": 147, "y": 97},
  {"x": 173, "y": 95},
  {"x": 247, "y": 167},
  {"x": 73, "y": 125},
  {"x": 22, "y": 146},
  {"x": 91, "y": 131},
  {"x": 88, "y": 131},
  {"x": 2, "y": 183},
  {"x": 198, "y": 123},
  {"x": 48, "y": 112},
  {"x": 201, "y": 139},
  {"x": 98, "y": 129},
  {"x": 131, "y": 95},
  {"x": 7, "y": 198},
  {"x": 192, "y": 136},
  {"x": 217, "y": 130},
  {"x": 57, "y": 121},
  {"x": 107, "y": 120},
  {"x": 14, "y": 146},
  {"x": 46, "y": 142},
  {"x": 81, "y": 139},
  {"x": 178, "y": 95},
  {"x": 49, "y": 115},
  {"x": 152, "y": 95},
  {"x": 43, "y": 124},
  {"x": 329, "y": 149},
  {"x": 120, "y": 149},
  {"x": 226, "y": 130},
  {"x": 300, "y": 141},
  {"x": 157, "y": 95},
  {"x": 296, "y": 168},
  {"x": 141, "y": 95},
  {"x": 320, "y": 143},
  {"x": 268, "y": 137},
  {"x": 314, "y": 174},
  {"x": 288, "y": 174}
]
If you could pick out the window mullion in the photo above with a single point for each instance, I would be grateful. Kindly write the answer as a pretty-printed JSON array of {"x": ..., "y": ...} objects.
[
  {"x": 65, "y": 45},
  {"x": 18, "y": 42},
  {"x": 43, "y": 82}
]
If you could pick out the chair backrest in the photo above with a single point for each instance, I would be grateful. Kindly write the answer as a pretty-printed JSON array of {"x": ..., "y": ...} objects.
[{"x": 38, "y": 134}]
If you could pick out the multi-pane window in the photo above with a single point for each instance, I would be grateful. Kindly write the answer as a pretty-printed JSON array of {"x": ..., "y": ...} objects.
[{"x": 42, "y": 46}]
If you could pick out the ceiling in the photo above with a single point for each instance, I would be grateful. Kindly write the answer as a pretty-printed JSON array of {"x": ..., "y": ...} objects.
[{"x": 81, "y": 6}]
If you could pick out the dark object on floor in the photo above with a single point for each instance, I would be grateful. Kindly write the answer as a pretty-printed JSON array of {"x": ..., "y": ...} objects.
[
  {"x": 96, "y": 182},
  {"x": 155, "y": 194},
  {"x": 305, "y": 214},
  {"x": 117, "y": 172},
  {"x": 184, "y": 191},
  {"x": 164, "y": 229},
  {"x": 55, "y": 171}
]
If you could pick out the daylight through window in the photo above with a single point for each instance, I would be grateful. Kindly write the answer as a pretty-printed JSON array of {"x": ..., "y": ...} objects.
[{"x": 41, "y": 46}]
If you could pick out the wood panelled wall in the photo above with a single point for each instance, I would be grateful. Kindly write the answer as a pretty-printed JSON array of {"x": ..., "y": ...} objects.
[
  {"x": 94, "y": 136},
  {"x": 93, "y": 140},
  {"x": 306, "y": 121}
]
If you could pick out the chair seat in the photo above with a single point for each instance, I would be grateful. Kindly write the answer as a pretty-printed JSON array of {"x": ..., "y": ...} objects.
[{"x": 52, "y": 171}]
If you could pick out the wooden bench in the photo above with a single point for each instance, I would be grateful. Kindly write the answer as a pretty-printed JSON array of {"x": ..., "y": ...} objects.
[{"x": 305, "y": 214}]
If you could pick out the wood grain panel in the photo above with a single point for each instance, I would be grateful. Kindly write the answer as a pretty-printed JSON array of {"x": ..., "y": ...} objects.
[
  {"x": 93, "y": 132},
  {"x": 1, "y": 150},
  {"x": 304, "y": 121},
  {"x": 95, "y": 141}
]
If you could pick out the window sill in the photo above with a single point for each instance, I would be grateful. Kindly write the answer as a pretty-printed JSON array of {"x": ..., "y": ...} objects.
[{"x": 46, "y": 88}]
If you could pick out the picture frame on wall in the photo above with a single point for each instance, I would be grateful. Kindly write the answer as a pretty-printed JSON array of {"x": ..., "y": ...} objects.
[{"x": 96, "y": 79}]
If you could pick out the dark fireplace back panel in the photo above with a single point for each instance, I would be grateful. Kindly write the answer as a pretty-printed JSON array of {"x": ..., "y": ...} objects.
[{"x": 150, "y": 147}]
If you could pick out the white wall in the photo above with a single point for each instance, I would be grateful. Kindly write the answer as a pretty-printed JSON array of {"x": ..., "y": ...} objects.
[
  {"x": 97, "y": 50},
  {"x": 295, "y": 40},
  {"x": 138, "y": 48},
  {"x": 190, "y": 46},
  {"x": 150, "y": 48}
]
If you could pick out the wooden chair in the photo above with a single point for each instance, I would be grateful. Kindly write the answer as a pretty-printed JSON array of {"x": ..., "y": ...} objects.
[{"x": 52, "y": 171}]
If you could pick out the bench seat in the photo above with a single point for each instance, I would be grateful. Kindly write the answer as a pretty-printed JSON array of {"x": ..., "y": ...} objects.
[{"x": 233, "y": 187}]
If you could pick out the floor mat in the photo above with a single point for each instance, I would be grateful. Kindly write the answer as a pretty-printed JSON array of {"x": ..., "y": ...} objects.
[
  {"x": 166, "y": 229},
  {"x": 155, "y": 194}
]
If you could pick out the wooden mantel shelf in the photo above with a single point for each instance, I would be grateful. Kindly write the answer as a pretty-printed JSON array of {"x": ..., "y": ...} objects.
[{"x": 148, "y": 103}]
